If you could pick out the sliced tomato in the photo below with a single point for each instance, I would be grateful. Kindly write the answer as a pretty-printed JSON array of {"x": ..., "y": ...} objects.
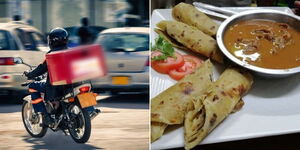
[
  {"x": 190, "y": 64},
  {"x": 164, "y": 66}
]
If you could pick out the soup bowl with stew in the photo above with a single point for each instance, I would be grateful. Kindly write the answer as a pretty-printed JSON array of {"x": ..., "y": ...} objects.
[{"x": 266, "y": 42}]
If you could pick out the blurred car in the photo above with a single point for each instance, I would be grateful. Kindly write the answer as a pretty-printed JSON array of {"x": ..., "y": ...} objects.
[
  {"x": 18, "y": 39},
  {"x": 74, "y": 38},
  {"x": 127, "y": 57}
]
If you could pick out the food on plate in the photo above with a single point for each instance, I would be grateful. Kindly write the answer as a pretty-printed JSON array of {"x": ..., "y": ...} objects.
[
  {"x": 207, "y": 110},
  {"x": 164, "y": 47},
  {"x": 165, "y": 60},
  {"x": 163, "y": 56},
  {"x": 195, "y": 99},
  {"x": 169, "y": 63},
  {"x": 169, "y": 106},
  {"x": 194, "y": 102},
  {"x": 192, "y": 38},
  {"x": 188, "y": 14},
  {"x": 157, "y": 130},
  {"x": 190, "y": 64},
  {"x": 264, "y": 43},
  {"x": 174, "y": 43},
  {"x": 238, "y": 106}
]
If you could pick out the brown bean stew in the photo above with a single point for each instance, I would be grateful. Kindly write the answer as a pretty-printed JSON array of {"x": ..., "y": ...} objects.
[{"x": 264, "y": 43}]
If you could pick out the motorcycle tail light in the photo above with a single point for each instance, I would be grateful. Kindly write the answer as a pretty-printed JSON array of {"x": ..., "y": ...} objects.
[
  {"x": 5, "y": 77},
  {"x": 84, "y": 89},
  {"x": 7, "y": 61},
  {"x": 71, "y": 99}
]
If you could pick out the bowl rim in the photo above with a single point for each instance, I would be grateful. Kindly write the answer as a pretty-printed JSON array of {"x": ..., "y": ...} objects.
[{"x": 221, "y": 31}]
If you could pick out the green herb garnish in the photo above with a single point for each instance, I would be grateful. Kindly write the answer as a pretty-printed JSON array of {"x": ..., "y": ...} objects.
[{"x": 164, "y": 47}]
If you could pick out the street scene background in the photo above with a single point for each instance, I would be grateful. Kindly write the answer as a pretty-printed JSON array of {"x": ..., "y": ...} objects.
[
  {"x": 124, "y": 119},
  {"x": 48, "y": 14}
]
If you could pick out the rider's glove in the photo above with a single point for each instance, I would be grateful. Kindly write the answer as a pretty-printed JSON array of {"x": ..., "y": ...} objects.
[{"x": 26, "y": 73}]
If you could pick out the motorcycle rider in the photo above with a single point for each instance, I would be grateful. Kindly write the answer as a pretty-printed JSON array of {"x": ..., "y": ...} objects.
[{"x": 57, "y": 40}]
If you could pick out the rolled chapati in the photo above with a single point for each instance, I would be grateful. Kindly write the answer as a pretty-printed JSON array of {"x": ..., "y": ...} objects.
[
  {"x": 170, "y": 40},
  {"x": 190, "y": 15},
  {"x": 192, "y": 38},
  {"x": 221, "y": 98}
]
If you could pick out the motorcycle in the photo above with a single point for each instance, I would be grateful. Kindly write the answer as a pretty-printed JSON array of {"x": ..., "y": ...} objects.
[{"x": 70, "y": 113}]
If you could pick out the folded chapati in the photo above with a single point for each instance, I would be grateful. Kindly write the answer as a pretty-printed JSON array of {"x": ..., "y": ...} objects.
[
  {"x": 206, "y": 111},
  {"x": 157, "y": 130},
  {"x": 169, "y": 106}
]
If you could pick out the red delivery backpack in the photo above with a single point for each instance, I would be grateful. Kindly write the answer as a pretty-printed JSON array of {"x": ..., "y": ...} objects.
[{"x": 76, "y": 64}]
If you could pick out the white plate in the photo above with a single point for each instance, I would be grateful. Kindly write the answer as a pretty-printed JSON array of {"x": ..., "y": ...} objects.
[{"x": 272, "y": 107}]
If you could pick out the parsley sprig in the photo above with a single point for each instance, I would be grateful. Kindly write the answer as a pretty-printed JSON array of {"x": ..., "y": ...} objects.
[{"x": 164, "y": 47}]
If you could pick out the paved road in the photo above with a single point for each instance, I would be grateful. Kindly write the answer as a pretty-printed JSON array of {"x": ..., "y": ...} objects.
[{"x": 123, "y": 124}]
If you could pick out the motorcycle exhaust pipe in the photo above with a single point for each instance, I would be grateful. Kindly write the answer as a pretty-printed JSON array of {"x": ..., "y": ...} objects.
[{"x": 94, "y": 113}]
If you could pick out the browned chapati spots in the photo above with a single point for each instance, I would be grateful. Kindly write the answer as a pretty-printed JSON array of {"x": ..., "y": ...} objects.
[
  {"x": 169, "y": 107},
  {"x": 193, "y": 39},
  {"x": 220, "y": 99},
  {"x": 188, "y": 14}
]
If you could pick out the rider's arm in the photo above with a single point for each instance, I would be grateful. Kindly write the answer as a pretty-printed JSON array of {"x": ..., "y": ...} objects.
[{"x": 41, "y": 69}]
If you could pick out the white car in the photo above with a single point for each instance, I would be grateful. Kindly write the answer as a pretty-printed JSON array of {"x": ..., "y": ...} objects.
[
  {"x": 127, "y": 57},
  {"x": 18, "y": 40}
]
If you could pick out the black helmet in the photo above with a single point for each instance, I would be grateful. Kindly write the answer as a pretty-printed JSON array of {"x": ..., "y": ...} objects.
[{"x": 58, "y": 38}]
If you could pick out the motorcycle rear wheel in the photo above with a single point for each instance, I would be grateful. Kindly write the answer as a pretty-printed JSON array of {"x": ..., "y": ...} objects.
[
  {"x": 80, "y": 128},
  {"x": 32, "y": 121}
]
